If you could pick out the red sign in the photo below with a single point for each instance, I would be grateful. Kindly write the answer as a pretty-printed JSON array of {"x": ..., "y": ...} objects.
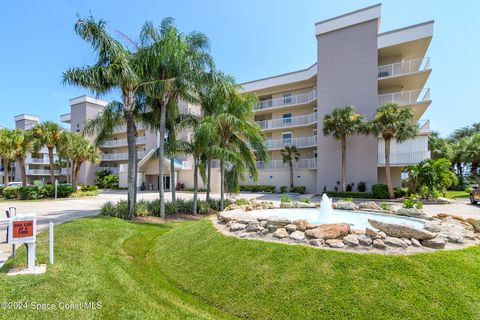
[{"x": 22, "y": 229}]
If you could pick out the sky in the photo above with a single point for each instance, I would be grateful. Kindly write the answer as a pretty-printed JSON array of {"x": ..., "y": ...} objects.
[{"x": 250, "y": 39}]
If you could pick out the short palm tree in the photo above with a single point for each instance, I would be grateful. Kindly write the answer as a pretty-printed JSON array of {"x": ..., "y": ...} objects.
[
  {"x": 22, "y": 144},
  {"x": 472, "y": 154},
  {"x": 81, "y": 150},
  {"x": 48, "y": 134},
  {"x": 7, "y": 152},
  {"x": 290, "y": 154},
  {"x": 343, "y": 122},
  {"x": 393, "y": 122}
]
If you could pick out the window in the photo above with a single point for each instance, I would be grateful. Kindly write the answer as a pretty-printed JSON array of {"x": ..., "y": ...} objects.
[
  {"x": 287, "y": 138},
  {"x": 314, "y": 132},
  {"x": 287, "y": 118},
  {"x": 287, "y": 98}
]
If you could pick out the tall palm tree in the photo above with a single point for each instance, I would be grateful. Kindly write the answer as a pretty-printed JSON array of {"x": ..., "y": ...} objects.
[
  {"x": 22, "y": 144},
  {"x": 178, "y": 62},
  {"x": 457, "y": 154},
  {"x": 116, "y": 68},
  {"x": 7, "y": 152},
  {"x": 48, "y": 134},
  {"x": 343, "y": 122},
  {"x": 289, "y": 155},
  {"x": 81, "y": 150},
  {"x": 393, "y": 122},
  {"x": 240, "y": 140},
  {"x": 472, "y": 155},
  {"x": 438, "y": 146}
]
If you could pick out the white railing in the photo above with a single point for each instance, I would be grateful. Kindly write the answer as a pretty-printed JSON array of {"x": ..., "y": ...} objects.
[
  {"x": 288, "y": 122},
  {"x": 121, "y": 142},
  {"x": 121, "y": 156},
  {"x": 123, "y": 128},
  {"x": 303, "y": 142},
  {"x": 403, "y": 67},
  {"x": 44, "y": 172},
  {"x": 404, "y": 158},
  {"x": 408, "y": 97},
  {"x": 288, "y": 100},
  {"x": 424, "y": 125},
  {"x": 280, "y": 165}
]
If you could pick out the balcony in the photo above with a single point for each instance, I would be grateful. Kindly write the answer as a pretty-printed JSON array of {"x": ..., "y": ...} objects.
[
  {"x": 44, "y": 172},
  {"x": 408, "y": 97},
  {"x": 409, "y": 152},
  {"x": 121, "y": 142},
  {"x": 120, "y": 156},
  {"x": 280, "y": 165},
  {"x": 303, "y": 142},
  {"x": 295, "y": 99},
  {"x": 295, "y": 121},
  {"x": 123, "y": 128},
  {"x": 403, "y": 67},
  {"x": 404, "y": 158}
]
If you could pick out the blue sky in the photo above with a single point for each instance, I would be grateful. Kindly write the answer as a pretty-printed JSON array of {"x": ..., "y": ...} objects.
[{"x": 250, "y": 39}]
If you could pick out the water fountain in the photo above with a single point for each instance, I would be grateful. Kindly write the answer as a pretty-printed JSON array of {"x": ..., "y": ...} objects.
[{"x": 325, "y": 206}]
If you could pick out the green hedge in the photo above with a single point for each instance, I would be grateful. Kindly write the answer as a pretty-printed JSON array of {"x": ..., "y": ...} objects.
[
  {"x": 350, "y": 194},
  {"x": 380, "y": 191},
  {"x": 298, "y": 189},
  {"x": 258, "y": 188},
  {"x": 34, "y": 192}
]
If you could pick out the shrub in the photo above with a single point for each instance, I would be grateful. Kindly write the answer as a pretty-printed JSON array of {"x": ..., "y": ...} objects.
[
  {"x": 346, "y": 199},
  {"x": 141, "y": 208},
  {"x": 108, "y": 209},
  {"x": 349, "y": 187},
  {"x": 285, "y": 199},
  {"x": 47, "y": 190},
  {"x": 399, "y": 192},
  {"x": 409, "y": 203},
  {"x": 89, "y": 187},
  {"x": 204, "y": 207},
  {"x": 180, "y": 186},
  {"x": 63, "y": 191},
  {"x": 109, "y": 181},
  {"x": 1, "y": 191},
  {"x": 385, "y": 206},
  {"x": 121, "y": 209},
  {"x": 258, "y": 188},
  {"x": 81, "y": 193},
  {"x": 362, "y": 186},
  {"x": 339, "y": 194},
  {"x": 10, "y": 192},
  {"x": 419, "y": 204},
  {"x": 305, "y": 200},
  {"x": 192, "y": 190},
  {"x": 298, "y": 189},
  {"x": 241, "y": 202},
  {"x": 283, "y": 189},
  {"x": 28, "y": 193},
  {"x": 380, "y": 191}
]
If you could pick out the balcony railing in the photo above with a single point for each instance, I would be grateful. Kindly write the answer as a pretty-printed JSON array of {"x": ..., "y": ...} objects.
[
  {"x": 303, "y": 142},
  {"x": 288, "y": 100},
  {"x": 403, "y": 67},
  {"x": 408, "y": 97},
  {"x": 44, "y": 172},
  {"x": 121, "y": 142},
  {"x": 280, "y": 165},
  {"x": 123, "y": 128},
  {"x": 404, "y": 158},
  {"x": 424, "y": 125},
  {"x": 121, "y": 156},
  {"x": 288, "y": 122}
]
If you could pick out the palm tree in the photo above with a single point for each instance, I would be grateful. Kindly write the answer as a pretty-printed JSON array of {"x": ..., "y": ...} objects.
[
  {"x": 439, "y": 147},
  {"x": 7, "y": 152},
  {"x": 393, "y": 122},
  {"x": 116, "y": 68},
  {"x": 175, "y": 64},
  {"x": 48, "y": 134},
  {"x": 21, "y": 142},
  {"x": 240, "y": 140},
  {"x": 472, "y": 154},
  {"x": 81, "y": 150},
  {"x": 343, "y": 122},
  {"x": 289, "y": 155}
]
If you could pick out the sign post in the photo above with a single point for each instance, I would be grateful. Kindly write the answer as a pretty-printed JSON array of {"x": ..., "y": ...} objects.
[{"x": 22, "y": 229}]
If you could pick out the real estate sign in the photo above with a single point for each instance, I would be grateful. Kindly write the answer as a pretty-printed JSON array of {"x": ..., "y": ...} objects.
[{"x": 22, "y": 229}]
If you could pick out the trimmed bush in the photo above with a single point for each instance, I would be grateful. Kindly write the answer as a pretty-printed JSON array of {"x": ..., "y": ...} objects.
[
  {"x": 380, "y": 191},
  {"x": 241, "y": 202},
  {"x": 10, "y": 192},
  {"x": 283, "y": 189},
  {"x": 305, "y": 200},
  {"x": 346, "y": 194},
  {"x": 298, "y": 189},
  {"x": 47, "y": 190},
  {"x": 399, "y": 192},
  {"x": 108, "y": 209},
  {"x": 63, "y": 191},
  {"x": 28, "y": 193},
  {"x": 141, "y": 209},
  {"x": 89, "y": 187},
  {"x": 81, "y": 193},
  {"x": 258, "y": 188},
  {"x": 285, "y": 199}
]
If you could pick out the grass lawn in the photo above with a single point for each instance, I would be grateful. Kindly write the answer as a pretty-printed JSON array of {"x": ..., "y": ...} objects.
[
  {"x": 457, "y": 194},
  {"x": 188, "y": 271}
]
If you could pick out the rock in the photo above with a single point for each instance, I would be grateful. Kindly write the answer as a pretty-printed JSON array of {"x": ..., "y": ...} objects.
[
  {"x": 335, "y": 243},
  {"x": 252, "y": 226},
  {"x": 243, "y": 235},
  {"x": 358, "y": 231},
  {"x": 364, "y": 240},
  {"x": 382, "y": 235},
  {"x": 371, "y": 233},
  {"x": 453, "y": 216},
  {"x": 329, "y": 231},
  {"x": 286, "y": 205},
  {"x": 395, "y": 242},
  {"x": 317, "y": 242},
  {"x": 271, "y": 206},
  {"x": 301, "y": 224},
  {"x": 291, "y": 227},
  {"x": 412, "y": 212},
  {"x": 237, "y": 226},
  {"x": 415, "y": 242},
  {"x": 379, "y": 244},
  {"x": 407, "y": 241},
  {"x": 442, "y": 200},
  {"x": 436, "y": 243},
  {"x": 264, "y": 205},
  {"x": 401, "y": 230},
  {"x": 346, "y": 205},
  {"x": 248, "y": 208},
  {"x": 433, "y": 226},
  {"x": 297, "y": 235},
  {"x": 236, "y": 215},
  {"x": 370, "y": 205},
  {"x": 233, "y": 206},
  {"x": 263, "y": 223},
  {"x": 350, "y": 240},
  {"x": 280, "y": 233},
  {"x": 299, "y": 204},
  {"x": 312, "y": 226},
  {"x": 271, "y": 228},
  {"x": 246, "y": 220},
  {"x": 278, "y": 222},
  {"x": 451, "y": 222},
  {"x": 263, "y": 232},
  {"x": 475, "y": 224}
]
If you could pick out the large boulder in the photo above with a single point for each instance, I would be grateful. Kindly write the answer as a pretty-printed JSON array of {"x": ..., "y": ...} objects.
[
  {"x": 364, "y": 240},
  {"x": 297, "y": 235},
  {"x": 379, "y": 244},
  {"x": 351, "y": 240},
  {"x": 395, "y": 242},
  {"x": 335, "y": 243},
  {"x": 252, "y": 226},
  {"x": 300, "y": 204},
  {"x": 280, "y": 233},
  {"x": 475, "y": 224},
  {"x": 401, "y": 230},
  {"x": 329, "y": 231},
  {"x": 446, "y": 216},
  {"x": 346, "y": 205},
  {"x": 278, "y": 222},
  {"x": 301, "y": 224},
  {"x": 437, "y": 243},
  {"x": 236, "y": 215},
  {"x": 286, "y": 205},
  {"x": 411, "y": 212},
  {"x": 237, "y": 226},
  {"x": 317, "y": 242},
  {"x": 369, "y": 205},
  {"x": 291, "y": 227},
  {"x": 433, "y": 226}
]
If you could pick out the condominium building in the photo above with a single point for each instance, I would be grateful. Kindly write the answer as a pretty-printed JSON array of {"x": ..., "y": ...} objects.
[{"x": 358, "y": 66}]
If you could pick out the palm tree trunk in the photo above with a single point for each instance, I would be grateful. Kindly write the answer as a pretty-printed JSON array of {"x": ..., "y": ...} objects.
[
  {"x": 52, "y": 165},
  {"x": 195, "y": 184},
  {"x": 23, "y": 173},
  {"x": 161, "y": 152},
  {"x": 459, "y": 169},
  {"x": 344, "y": 163},
  {"x": 209, "y": 175},
  {"x": 76, "y": 169},
  {"x": 222, "y": 184},
  {"x": 5, "y": 172},
  {"x": 172, "y": 179},
  {"x": 388, "y": 174},
  {"x": 290, "y": 164},
  {"x": 132, "y": 165}
]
